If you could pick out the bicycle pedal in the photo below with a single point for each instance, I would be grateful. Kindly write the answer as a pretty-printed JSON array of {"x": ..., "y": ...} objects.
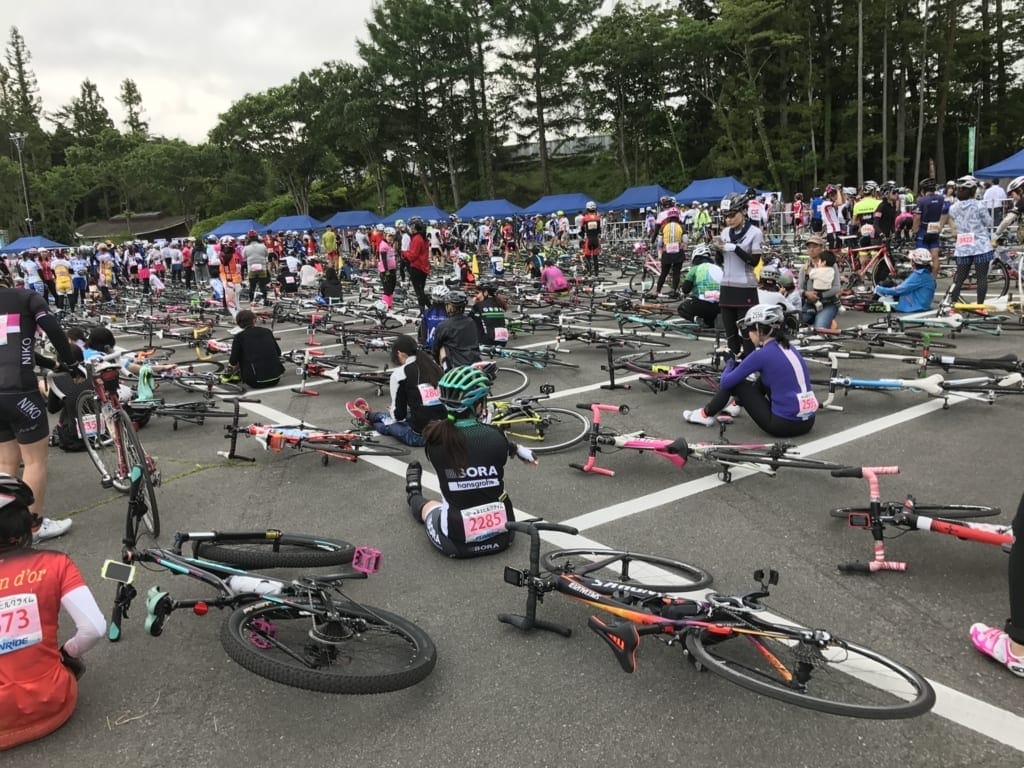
[{"x": 107, "y": 481}]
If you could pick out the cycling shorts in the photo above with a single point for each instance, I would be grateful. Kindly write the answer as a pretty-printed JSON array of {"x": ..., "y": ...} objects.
[
  {"x": 453, "y": 549},
  {"x": 23, "y": 417}
]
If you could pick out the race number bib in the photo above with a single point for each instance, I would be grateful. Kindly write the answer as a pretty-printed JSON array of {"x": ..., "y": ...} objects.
[
  {"x": 671, "y": 247},
  {"x": 501, "y": 335},
  {"x": 429, "y": 394},
  {"x": 933, "y": 228},
  {"x": 967, "y": 238},
  {"x": 807, "y": 404},
  {"x": 256, "y": 268},
  {"x": 498, "y": 264},
  {"x": 484, "y": 521},
  {"x": 3, "y": 330},
  {"x": 709, "y": 296},
  {"x": 289, "y": 280},
  {"x": 89, "y": 425},
  {"x": 20, "y": 625}
]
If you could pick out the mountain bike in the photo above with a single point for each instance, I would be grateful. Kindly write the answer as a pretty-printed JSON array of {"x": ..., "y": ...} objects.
[
  {"x": 301, "y": 631},
  {"x": 110, "y": 439},
  {"x": 542, "y": 429},
  {"x": 731, "y": 636},
  {"x": 909, "y": 515}
]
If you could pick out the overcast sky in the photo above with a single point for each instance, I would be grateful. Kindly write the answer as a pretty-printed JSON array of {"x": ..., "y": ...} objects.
[{"x": 190, "y": 60}]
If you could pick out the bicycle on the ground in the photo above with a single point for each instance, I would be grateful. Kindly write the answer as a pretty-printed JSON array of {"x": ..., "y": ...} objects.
[
  {"x": 301, "y": 631},
  {"x": 909, "y": 515},
  {"x": 541, "y": 428},
  {"x": 732, "y": 636}
]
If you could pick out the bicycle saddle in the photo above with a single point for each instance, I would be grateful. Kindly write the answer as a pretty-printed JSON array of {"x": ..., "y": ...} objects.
[{"x": 678, "y": 446}]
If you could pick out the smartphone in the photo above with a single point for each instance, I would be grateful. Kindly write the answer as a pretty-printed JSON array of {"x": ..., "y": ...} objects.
[{"x": 115, "y": 571}]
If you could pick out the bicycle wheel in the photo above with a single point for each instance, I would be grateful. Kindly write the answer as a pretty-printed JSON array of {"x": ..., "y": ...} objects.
[
  {"x": 947, "y": 511},
  {"x": 369, "y": 446},
  {"x": 643, "y": 282},
  {"x": 778, "y": 462},
  {"x": 652, "y": 361},
  {"x": 542, "y": 429},
  {"x": 92, "y": 427},
  {"x": 998, "y": 282},
  {"x": 507, "y": 382},
  {"x": 287, "y": 550},
  {"x": 357, "y": 650},
  {"x": 702, "y": 378},
  {"x": 658, "y": 574},
  {"x": 135, "y": 456},
  {"x": 833, "y": 676},
  {"x": 206, "y": 385}
]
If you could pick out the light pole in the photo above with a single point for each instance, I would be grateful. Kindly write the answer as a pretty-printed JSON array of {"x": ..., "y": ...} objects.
[{"x": 19, "y": 143}]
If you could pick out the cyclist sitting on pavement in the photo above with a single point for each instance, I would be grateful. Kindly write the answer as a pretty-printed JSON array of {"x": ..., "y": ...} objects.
[
  {"x": 415, "y": 401},
  {"x": 781, "y": 402},
  {"x": 914, "y": 294},
  {"x": 255, "y": 355},
  {"x": 38, "y": 675},
  {"x": 433, "y": 316},
  {"x": 457, "y": 339},
  {"x": 552, "y": 279},
  {"x": 488, "y": 312},
  {"x": 469, "y": 459},
  {"x": 701, "y": 286}
]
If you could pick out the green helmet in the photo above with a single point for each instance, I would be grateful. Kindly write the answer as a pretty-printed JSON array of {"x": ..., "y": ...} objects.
[{"x": 463, "y": 387}]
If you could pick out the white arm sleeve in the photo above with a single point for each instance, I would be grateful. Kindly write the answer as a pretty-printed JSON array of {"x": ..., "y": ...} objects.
[{"x": 89, "y": 622}]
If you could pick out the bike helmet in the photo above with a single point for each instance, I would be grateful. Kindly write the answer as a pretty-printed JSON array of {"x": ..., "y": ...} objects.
[
  {"x": 733, "y": 203},
  {"x": 870, "y": 187},
  {"x": 701, "y": 254},
  {"x": 666, "y": 202},
  {"x": 921, "y": 256},
  {"x": 487, "y": 286},
  {"x": 591, "y": 205},
  {"x": 786, "y": 278},
  {"x": 390, "y": 231},
  {"x": 967, "y": 182},
  {"x": 769, "y": 275},
  {"x": 1017, "y": 185},
  {"x": 380, "y": 307},
  {"x": 928, "y": 185},
  {"x": 439, "y": 294},
  {"x": 456, "y": 299},
  {"x": 766, "y": 315},
  {"x": 831, "y": 189},
  {"x": 399, "y": 224},
  {"x": 252, "y": 233},
  {"x": 463, "y": 387},
  {"x": 416, "y": 222}
]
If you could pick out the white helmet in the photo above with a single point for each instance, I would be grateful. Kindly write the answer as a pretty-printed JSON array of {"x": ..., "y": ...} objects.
[
  {"x": 390, "y": 231},
  {"x": 399, "y": 224},
  {"x": 967, "y": 182},
  {"x": 439, "y": 293},
  {"x": 591, "y": 205},
  {"x": 380, "y": 227},
  {"x": 1017, "y": 185},
  {"x": 769, "y": 315},
  {"x": 380, "y": 306},
  {"x": 921, "y": 256}
]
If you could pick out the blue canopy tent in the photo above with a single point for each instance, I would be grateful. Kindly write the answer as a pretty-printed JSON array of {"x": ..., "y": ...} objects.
[
  {"x": 425, "y": 212},
  {"x": 296, "y": 223},
  {"x": 350, "y": 219},
  {"x": 478, "y": 209},
  {"x": 574, "y": 202},
  {"x": 236, "y": 228},
  {"x": 637, "y": 197},
  {"x": 711, "y": 190},
  {"x": 1010, "y": 166},
  {"x": 35, "y": 241}
]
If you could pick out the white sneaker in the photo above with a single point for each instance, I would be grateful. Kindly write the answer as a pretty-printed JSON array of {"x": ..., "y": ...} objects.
[
  {"x": 698, "y": 417},
  {"x": 733, "y": 409},
  {"x": 51, "y": 529}
]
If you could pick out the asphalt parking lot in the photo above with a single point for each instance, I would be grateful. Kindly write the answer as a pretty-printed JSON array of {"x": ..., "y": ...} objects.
[{"x": 499, "y": 697}]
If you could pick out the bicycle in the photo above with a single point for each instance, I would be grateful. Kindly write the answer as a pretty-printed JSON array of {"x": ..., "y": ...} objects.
[
  {"x": 861, "y": 268},
  {"x": 535, "y": 358},
  {"x": 110, "y": 439},
  {"x": 908, "y": 515},
  {"x": 543, "y": 429},
  {"x": 765, "y": 458},
  {"x": 304, "y": 631},
  {"x": 346, "y": 445},
  {"x": 658, "y": 370},
  {"x": 731, "y": 636},
  {"x": 981, "y": 388}
]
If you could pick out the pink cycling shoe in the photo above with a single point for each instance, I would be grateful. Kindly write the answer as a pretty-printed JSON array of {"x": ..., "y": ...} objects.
[{"x": 994, "y": 642}]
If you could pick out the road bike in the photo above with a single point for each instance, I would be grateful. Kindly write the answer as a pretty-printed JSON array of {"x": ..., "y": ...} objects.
[
  {"x": 909, "y": 515},
  {"x": 301, "y": 631},
  {"x": 534, "y": 358},
  {"x": 659, "y": 370},
  {"x": 862, "y": 268},
  {"x": 765, "y": 458},
  {"x": 984, "y": 389},
  {"x": 541, "y": 428},
  {"x": 734, "y": 637},
  {"x": 110, "y": 439},
  {"x": 346, "y": 445}
]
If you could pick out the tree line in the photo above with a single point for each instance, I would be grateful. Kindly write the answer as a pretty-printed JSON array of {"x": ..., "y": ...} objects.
[{"x": 784, "y": 96}]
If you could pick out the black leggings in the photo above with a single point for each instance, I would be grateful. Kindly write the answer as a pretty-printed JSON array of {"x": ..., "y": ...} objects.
[
  {"x": 419, "y": 283},
  {"x": 673, "y": 266},
  {"x": 1015, "y": 624},
  {"x": 963, "y": 268},
  {"x": 757, "y": 403},
  {"x": 737, "y": 342}
]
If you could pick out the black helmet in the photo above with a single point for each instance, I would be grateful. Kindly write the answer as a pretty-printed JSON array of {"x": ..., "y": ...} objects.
[
  {"x": 456, "y": 299},
  {"x": 928, "y": 185},
  {"x": 734, "y": 202},
  {"x": 666, "y": 202},
  {"x": 487, "y": 286}
]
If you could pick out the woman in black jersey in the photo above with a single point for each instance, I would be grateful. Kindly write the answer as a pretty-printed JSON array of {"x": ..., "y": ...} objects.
[{"x": 469, "y": 459}]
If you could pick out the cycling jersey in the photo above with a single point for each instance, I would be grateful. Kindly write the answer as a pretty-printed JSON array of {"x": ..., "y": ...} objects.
[
  {"x": 21, "y": 313},
  {"x": 471, "y": 519},
  {"x": 590, "y": 228},
  {"x": 416, "y": 402},
  {"x": 739, "y": 286},
  {"x": 460, "y": 340},
  {"x": 784, "y": 374},
  {"x": 915, "y": 293},
  {"x": 930, "y": 209},
  {"x": 258, "y": 357},
  {"x": 672, "y": 241},
  {"x": 973, "y": 223},
  {"x": 432, "y": 318},
  {"x": 37, "y": 692},
  {"x": 490, "y": 319},
  {"x": 703, "y": 281}
]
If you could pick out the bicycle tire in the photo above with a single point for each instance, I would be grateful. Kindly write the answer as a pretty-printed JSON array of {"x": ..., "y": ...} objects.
[
  {"x": 382, "y": 651},
  {"x": 559, "y": 561},
  {"x": 543, "y": 429},
  {"x": 136, "y": 456},
  {"x": 945, "y": 511},
  {"x": 646, "y": 362},
  {"x": 643, "y": 282},
  {"x": 857, "y": 692},
  {"x": 289, "y": 550},
  {"x": 998, "y": 281},
  {"x": 99, "y": 446},
  {"x": 702, "y": 378},
  {"x": 370, "y": 447},
  {"x": 507, "y": 382},
  {"x": 202, "y": 385}
]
